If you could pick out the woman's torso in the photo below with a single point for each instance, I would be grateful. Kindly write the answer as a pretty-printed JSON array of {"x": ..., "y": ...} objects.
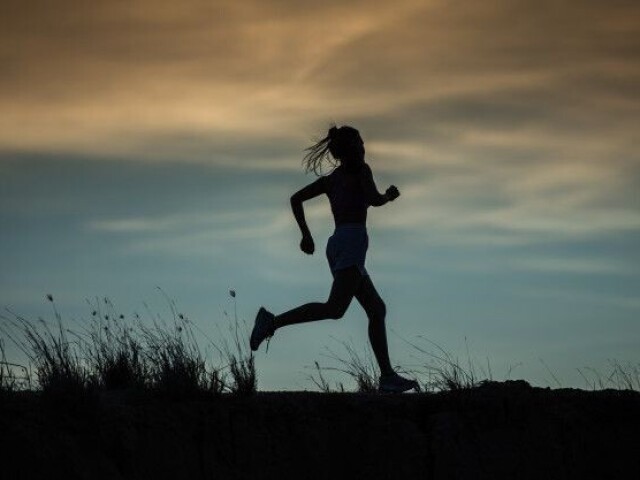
[{"x": 346, "y": 196}]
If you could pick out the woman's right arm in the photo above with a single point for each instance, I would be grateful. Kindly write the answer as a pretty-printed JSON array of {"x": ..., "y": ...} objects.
[{"x": 310, "y": 191}]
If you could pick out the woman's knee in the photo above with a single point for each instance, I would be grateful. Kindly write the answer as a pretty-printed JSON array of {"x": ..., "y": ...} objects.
[{"x": 336, "y": 311}]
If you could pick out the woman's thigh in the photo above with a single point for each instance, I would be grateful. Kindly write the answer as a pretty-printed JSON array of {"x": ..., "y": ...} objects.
[{"x": 346, "y": 283}]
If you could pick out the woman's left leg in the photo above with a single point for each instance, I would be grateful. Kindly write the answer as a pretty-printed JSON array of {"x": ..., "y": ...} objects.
[{"x": 345, "y": 284}]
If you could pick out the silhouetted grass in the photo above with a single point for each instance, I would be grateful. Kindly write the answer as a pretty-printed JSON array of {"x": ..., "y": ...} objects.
[
  {"x": 318, "y": 379},
  {"x": 620, "y": 377},
  {"x": 9, "y": 380},
  {"x": 172, "y": 361},
  {"x": 7, "y": 377},
  {"x": 175, "y": 363},
  {"x": 113, "y": 349},
  {"x": 361, "y": 368},
  {"x": 115, "y": 352},
  {"x": 57, "y": 361},
  {"x": 440, "y": 370},
  {"x": 237, "y": 355}
]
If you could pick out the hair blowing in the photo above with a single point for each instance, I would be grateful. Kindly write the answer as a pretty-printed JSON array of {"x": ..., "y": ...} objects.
[{"x": 331, "y": 148}]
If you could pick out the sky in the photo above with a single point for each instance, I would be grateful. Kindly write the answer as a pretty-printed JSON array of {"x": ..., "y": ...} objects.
[{"x": 149, "y": 144}]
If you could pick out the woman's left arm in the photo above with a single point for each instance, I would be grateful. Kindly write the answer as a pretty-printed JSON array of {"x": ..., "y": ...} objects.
[{"x": 373, "y": 196}]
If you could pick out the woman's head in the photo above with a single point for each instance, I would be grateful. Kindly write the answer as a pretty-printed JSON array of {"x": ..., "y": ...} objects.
[{"x": 342, "y": 144}]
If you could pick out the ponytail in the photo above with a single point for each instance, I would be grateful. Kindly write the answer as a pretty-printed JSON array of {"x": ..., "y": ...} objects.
[{"x": 320, "y": 151}]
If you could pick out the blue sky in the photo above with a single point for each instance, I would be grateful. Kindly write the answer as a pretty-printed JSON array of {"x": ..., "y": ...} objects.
[{"x": 146, "y": 145}]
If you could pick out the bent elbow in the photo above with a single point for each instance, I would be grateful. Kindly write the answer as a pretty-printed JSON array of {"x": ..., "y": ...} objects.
[{"x": 295, "y": 200}]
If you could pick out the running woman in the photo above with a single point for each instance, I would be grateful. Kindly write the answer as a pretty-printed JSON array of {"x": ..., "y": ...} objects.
[{"x": 351, "y": 190}]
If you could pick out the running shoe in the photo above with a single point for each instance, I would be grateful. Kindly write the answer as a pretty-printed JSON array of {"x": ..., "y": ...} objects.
[
  {"x": 263, "y": 328},
  {"x": 394, "y": 383}
]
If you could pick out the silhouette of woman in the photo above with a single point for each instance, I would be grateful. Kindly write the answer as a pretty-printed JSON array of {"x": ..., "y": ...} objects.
[{"x": 351, "y": 190}]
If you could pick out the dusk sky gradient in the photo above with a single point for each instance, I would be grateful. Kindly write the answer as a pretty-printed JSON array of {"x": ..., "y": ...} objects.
[{"x": 157, "y": 143}]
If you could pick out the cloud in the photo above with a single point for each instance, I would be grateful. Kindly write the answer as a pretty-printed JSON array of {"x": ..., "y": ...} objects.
[
  {"x": 498, "y": 120},
  {"x": 81, "y": 77},
  {"x": 101, "y": 74},
  {"x": 179, "y": 221},
  {"x": 197, "y": 233}
]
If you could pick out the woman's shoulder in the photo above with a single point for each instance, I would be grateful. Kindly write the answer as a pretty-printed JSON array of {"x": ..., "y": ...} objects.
[
  {"x": 358, "y": 169},
  {"x": 365, "y": 170},
  {"x": 341, "y": 171},
  {"x": 328, "y": 177},
  {"x": 334, "y": 173}
]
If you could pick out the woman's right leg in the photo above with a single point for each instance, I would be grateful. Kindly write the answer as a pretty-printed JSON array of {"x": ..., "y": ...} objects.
[
  {"x": 376, "y": 311},
  {"x": 345, "y": 285}
]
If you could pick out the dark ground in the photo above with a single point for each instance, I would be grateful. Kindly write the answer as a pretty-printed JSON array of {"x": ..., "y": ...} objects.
[{"x": 498, "y": 431}]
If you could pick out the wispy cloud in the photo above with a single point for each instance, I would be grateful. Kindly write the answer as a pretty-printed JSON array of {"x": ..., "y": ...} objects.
[
  {"x": 103, "y": 76},
  {"x": 585, "y": 266},
  {"x": 180, "y": 221},
  {"x": 195, "y": 233}
]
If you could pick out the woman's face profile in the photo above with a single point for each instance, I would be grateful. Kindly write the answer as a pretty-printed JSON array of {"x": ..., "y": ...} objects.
[{"x": 355, "y": 147}]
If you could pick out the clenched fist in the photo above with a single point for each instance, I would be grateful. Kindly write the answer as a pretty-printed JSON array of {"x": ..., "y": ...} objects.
[
  {"x": 307, "y": 245},
  {"x": 392, "y": 193}
]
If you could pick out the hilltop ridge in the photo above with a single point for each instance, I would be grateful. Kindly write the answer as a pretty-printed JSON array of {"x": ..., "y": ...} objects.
[{"x": 498, "y": 430}]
